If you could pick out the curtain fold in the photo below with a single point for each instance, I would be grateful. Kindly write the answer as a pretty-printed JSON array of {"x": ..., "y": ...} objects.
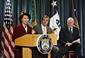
[{"x": 43, "y": 8}]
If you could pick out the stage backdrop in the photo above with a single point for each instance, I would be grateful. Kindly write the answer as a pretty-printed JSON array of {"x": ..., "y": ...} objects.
[{"x": 43, "y": 8}]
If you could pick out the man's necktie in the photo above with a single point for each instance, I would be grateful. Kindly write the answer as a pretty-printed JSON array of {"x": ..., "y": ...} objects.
[
  {"x": 44, "y": 31},
  {"x": 70, "y": 33}
]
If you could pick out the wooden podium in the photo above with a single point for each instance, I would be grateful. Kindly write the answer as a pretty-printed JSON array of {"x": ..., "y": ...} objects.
[{"x": 30, "y": 40}]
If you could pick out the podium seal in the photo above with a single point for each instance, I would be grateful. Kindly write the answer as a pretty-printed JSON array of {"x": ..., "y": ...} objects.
[{"x": 44, "y": 44}]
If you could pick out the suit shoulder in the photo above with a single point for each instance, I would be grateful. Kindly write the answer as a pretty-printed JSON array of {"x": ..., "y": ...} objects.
[
  {"x": 18, "y": 26},
  {"x": 63, "y": 28},
  {"x": 37, "y": 26},
  {"x": 75, "y": 28},
  {"x": 29, "y": 27}
]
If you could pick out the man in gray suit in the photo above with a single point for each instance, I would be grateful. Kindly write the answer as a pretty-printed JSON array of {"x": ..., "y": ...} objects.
[
  {"x": 44, "y": 29},
  {"x": 40, "y": 28}
]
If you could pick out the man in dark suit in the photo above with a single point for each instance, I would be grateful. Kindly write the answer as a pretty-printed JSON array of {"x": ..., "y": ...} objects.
[
  {"x": 44, "y": 29},
  {"x": 69, "y": 39}
]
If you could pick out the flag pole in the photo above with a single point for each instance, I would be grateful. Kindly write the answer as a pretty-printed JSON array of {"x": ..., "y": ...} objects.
[
  {"x": 33, "y": 23},
  {"x": 73, "y": 15},
  {"x": 10, "y": 20},
  {"x": 53, "y": 17},
  {"x": 35, "y": 11}
]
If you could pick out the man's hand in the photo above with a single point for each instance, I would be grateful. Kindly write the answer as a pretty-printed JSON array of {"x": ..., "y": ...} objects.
[
  {"x": 68, "y": 44},
  {"x": 78, "y": 41}
]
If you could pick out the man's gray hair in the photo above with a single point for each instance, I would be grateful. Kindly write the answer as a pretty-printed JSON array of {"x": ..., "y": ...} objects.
[
  {"x": 70, "y": 18},
  {"x": 45, "y": 16}
]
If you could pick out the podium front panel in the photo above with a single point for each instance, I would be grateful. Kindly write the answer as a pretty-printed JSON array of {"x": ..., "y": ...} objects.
[{"x": 30, "y": 40}]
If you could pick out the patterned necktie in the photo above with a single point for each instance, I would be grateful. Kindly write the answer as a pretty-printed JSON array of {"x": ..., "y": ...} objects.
[
  {"x": 70, "y": 33},
  {"x": 44, "y": 31}
]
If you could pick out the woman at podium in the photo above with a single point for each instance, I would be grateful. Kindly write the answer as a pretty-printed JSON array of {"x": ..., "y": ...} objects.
[{"x": 21, "y": 30}]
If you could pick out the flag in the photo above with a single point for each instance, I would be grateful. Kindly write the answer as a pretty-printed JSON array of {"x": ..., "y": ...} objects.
[
  {"x": 73, "y": 14},
  {"x": 7, "y": 45},
  {"x": 32, "y": 12},
  {"x": 55, "y": 20}
]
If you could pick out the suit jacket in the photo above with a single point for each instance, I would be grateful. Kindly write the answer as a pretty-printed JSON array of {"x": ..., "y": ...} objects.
[
  {"x": 38, "y": 29},
  {"x": 20, "y": 31},
  {"x": 64, "y": 35}
]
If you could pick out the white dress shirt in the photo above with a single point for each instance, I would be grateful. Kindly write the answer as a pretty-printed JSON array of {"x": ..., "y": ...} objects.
[
  {"x": 71, "y": 29},
  {"x": 26, "y": 28},
  {"x": 43, "y": 28}
]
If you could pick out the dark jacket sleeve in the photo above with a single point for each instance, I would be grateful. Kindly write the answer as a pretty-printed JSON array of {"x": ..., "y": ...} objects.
[
  {"x": 78, "y": 36},
  {"x": 29, "y": 31},
  {"x": 15, "y": 33}
]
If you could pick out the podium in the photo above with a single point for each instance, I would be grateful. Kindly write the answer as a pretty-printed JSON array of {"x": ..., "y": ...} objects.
[{"x": 30, "y": 40}]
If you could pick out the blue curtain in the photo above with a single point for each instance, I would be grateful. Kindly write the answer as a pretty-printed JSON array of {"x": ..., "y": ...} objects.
[{"x": 43, "y": 8}]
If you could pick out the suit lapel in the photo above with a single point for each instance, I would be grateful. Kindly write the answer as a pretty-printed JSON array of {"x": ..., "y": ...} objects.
[
  {"x": 73, "y": 32},
  {"x": 23, "y": 28},
  {"x": 40, "y": 28},
  {"x": 67, "y": 31},
  {"x": 47, "y": 30}
]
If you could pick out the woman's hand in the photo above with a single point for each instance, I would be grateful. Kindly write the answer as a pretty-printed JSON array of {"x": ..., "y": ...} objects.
[{"x": 33, "y": 31}]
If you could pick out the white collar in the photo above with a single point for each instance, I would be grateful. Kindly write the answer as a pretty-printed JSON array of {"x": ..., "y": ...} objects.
[
  {"x": 71, "y": 27},
  {"x": 43, "y": 26}
]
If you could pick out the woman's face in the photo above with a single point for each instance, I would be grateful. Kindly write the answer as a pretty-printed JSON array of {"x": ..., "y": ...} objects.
[{"x": 25, "y": 19}]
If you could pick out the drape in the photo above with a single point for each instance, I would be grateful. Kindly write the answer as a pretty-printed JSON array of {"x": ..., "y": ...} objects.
[{"x": 43, "y": 8}]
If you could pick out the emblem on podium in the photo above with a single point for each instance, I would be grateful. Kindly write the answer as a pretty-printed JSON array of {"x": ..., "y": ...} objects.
[{"x": 44, "y": 44}]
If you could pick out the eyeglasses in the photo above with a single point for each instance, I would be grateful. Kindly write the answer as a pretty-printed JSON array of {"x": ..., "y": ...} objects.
[{"x": 45, "y": 20}]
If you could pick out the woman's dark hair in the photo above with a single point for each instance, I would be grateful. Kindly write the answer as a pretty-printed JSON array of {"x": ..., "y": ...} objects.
[{"x": 22, "y": 14}]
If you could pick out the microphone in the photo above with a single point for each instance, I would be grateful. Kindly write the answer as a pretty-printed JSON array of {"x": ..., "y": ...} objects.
[
  {"x": 55, "y": 29},
  {"x": 25, "y": 26},
  {"x": 47, "y": 32},
  {"x": 27, "y": 30}
]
